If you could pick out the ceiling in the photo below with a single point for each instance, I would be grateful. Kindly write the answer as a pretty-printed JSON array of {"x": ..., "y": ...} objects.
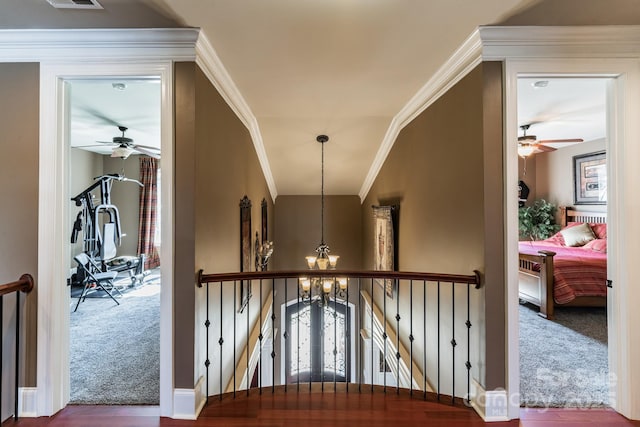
[
  {"x": 563, "y": 108},
  {"x": 343, "y": 68},
  {"x": 99, "y": 107}
]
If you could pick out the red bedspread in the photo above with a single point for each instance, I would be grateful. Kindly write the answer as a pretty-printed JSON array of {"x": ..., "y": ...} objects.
[{"x": 577, "y": 271}]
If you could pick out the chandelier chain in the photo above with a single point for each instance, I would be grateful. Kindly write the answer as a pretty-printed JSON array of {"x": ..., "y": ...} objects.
[{"x": 322, "y": 197}]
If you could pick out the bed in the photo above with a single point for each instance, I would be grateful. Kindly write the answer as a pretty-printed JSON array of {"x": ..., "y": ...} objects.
[{"x": 554, "y": 272}]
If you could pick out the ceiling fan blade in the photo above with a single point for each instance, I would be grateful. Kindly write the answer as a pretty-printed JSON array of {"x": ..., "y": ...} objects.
[
  {"x": 543, "y": 148},
  {"x": 559, "y": 141},
  {"x": 91, "y": 145},
  {"x": 147, "y": 152},
  {"x": 106, "y": 142},
  {"x": 148, "y": 147},
  {"x": 95, "y": 113}
]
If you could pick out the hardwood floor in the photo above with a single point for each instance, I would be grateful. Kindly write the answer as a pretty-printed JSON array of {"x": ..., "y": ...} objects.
[{"x": 319, "y": 409}]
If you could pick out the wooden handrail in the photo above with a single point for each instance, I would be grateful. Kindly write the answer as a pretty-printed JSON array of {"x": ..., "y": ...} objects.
[
  {"x": 24, "y": 284},
  {"x": 474, "y": 279}
]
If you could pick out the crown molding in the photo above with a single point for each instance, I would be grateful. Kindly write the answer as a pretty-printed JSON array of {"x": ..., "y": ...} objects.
[
  {"x": 463, "y": 60},
  {"x": 603, "y": 41},
  {"x": 97, "y": 45},
  {"x": 211, "y": 65},
  {"x": 508, "y": 43}
]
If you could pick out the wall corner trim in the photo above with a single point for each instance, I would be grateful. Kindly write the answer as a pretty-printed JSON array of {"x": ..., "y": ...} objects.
[
  {"x": 187, "y": 403},
  {"x": 490, "y": 405},
  {"x": 208, "y": 60},
  {"x": 28, "y": 402},
  {"x": 463, "y": 60}
]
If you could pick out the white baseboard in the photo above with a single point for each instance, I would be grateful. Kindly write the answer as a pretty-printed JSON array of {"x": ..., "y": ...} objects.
[
  {"x": 490, "y": 405},
  {"x": 187, "y": 403},
  {"x": 27, "y": 402}
]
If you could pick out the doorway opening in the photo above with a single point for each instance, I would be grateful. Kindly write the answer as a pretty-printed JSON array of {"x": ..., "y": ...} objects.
[
  {"x": 562, "y": 146},
  {"x": 114, "y": 282}
]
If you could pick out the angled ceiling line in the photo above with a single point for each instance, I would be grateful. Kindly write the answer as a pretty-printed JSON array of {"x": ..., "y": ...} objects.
[
  {"x": 459, "y": 64},
  {"x": 208, "y": 60}
]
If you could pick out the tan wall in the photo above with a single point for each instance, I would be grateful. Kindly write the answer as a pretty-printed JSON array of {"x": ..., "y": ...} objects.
[
  {"x": 297, "y": 230},
  {"x": 445, "y": 172},
  {"x": 554, "y": 173},
  {"x": 216, "y": 165},
  {"x": 19, "y": 208}
]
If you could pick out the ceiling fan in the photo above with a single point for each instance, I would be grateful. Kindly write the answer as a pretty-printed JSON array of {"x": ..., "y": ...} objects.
[
  {"x": 125, "y": 146},
  {"x": 529, "y": 144}
]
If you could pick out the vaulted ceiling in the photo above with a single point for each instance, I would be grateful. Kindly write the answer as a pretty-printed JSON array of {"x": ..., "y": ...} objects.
[{"x": 343, "y": 68}]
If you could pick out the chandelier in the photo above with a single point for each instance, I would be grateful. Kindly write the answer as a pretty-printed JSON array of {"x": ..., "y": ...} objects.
[{"x": 320, "y": 289}]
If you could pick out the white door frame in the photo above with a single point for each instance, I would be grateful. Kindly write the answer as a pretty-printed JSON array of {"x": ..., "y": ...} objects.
[
  {"x": 624, "y": 123},
  {"x": 54, "y": 227}
]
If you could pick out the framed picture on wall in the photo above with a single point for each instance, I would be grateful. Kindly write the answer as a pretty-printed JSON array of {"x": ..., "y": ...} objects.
[
  {"x": 246, "y": 258},
  {"x": 264, "y": 224},
  {"x": 590, "y": 179},
  {"x": 384, "y": 245}
]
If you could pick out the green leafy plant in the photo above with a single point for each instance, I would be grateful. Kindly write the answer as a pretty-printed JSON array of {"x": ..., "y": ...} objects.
[{"x": 537, "y": 221}]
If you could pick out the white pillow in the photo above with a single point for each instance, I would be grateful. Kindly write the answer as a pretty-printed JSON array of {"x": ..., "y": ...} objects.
[{"x": 577, "y": 235}]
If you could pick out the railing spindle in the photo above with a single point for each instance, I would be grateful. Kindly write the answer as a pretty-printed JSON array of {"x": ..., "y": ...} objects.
[
  {"x": 1, "y": 350},
  {"x": 453, "y": 343},
  {"x": 468, "y": 364},
  {"x": 259, "y": 365},
  {"x": 397, "y": 286},
  {"x": 221, "y": 340},
  {"x": 15, "y": 414},
  {"x": 411, "y": 338},
  {"x": 438, "y": 361},
  {"x": 207, "y": 323},
  {"x": 424, "y": 332},
  {"x": 248, "y": 307},
  {"x": 273, "y": 337},
  {"x": 235, "y": 302},
  {"x": 285, "y": 328}
]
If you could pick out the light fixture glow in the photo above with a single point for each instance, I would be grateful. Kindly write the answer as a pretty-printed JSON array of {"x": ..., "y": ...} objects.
[{"x": 525, "y": 150}]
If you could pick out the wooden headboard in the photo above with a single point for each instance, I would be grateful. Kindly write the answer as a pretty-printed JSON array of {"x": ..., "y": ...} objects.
[{"x": 569, "y": 214}]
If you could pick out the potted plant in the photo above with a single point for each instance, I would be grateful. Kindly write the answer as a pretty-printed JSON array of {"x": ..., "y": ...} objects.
[{"x": 537, "y": 221}]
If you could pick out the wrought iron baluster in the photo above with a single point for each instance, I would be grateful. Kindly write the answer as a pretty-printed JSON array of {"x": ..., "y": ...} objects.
[
  {"x": 221, "y": 340},
  {"x": 371, "y": 340},
  {"x": 248, "y": 306},
  {"x": 335, "y": 333},
  {"x": 259, "y": 366},
  {"x": 397, "y": 336},
  {"x": 15, "y": 403},
  {"x": 438, "y": 334},
  {"x": 411, "y": 337},
  {"x": 424, "y": 332},
  {"x": 273, "y": 338},
  {"x": 358, "y": 346},
  {"x": 235, "y": 344},
  {"x": 1, "y": 351},
  {"x": 347, "y": 340},
  {"x": 468, "y": 364},
  {"x": 207, "y": 323},
  {"x": 298, "y": 338},
  {"x": 453, "y": 342},
  {"x": 285, "y": 327},
  {"x": 384, "y": 333}
]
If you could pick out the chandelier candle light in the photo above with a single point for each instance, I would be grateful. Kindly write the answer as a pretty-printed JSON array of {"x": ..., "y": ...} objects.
[{"x": 323, "y": 260}]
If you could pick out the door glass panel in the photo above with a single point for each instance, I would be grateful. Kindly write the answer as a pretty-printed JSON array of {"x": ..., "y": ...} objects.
[
  {"x": 334, "y": 339},
  {"x": 300, "y": 360}
]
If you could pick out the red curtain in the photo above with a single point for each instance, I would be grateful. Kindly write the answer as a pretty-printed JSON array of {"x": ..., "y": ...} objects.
[{"x": 148, "y": 211}]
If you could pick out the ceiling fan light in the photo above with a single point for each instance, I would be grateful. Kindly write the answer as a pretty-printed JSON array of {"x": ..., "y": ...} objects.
[
  {"x": 525, "y": 150},
  {"x": 122, "y": 152}
]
